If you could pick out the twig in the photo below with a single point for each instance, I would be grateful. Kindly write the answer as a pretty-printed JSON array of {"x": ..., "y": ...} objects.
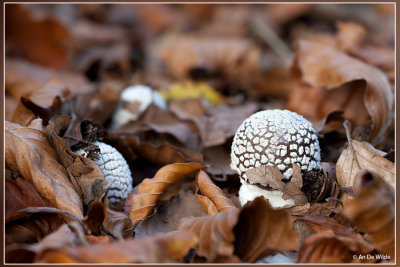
[{"x": 268, "y": 35}]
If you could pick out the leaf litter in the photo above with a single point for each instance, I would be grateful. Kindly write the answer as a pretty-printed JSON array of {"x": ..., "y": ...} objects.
[{"x": 64, "y": 81}]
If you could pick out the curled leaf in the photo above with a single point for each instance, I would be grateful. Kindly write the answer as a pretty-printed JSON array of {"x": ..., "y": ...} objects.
[
  {"x": 29, "y": 153},
  {"x": 213, "y": 192},
  {"x": 19, "y": 228},
  {"x": 61, "y": 238},
  {"x": 372, "y": 209},
  {"x": 144, "y": 202},
  {"x": 85, "y": 174},
  {"x": 164, "y": 248},
  {"x": 361, "y": 155},
  {"x": 328, "y": 248},
  {"x": 43, "y": 103},
  {"x": 325, "y": 67},
  {"x": 207, "y": 205},
  {"x": 251, "y": 233},
  {"x": 215, "y": 233}
]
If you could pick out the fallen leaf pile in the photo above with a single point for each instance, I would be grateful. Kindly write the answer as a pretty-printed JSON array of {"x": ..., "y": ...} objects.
[{"x": 195, "y": 72}]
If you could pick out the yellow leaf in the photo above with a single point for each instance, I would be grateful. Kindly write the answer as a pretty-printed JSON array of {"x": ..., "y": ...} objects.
[{"x": 189, "y": 89}]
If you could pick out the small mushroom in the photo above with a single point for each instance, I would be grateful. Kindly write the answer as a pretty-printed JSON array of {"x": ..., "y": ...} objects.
[
  {"x": 140, "y": 95},
  {"x": 116, "y": 170},
  {"x": 273, "y": 138}
]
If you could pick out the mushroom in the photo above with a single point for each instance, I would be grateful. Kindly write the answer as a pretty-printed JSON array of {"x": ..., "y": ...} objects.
[
  {"x": 273, "y": 138},
  {"x": 143, "y": 96},
  {"x": 116, "y": 170}
]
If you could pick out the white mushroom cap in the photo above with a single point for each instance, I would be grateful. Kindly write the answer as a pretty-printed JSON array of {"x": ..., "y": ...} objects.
[
  {"x": 116, "y": 170},
  {"x": 275, "y": 138},
  {"x": 278, "y": 138},
  {"x": 141, "y": 94}
]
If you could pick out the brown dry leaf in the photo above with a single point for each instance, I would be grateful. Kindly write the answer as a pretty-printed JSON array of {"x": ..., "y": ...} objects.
[
  {"x": 44, "y": 41},
  {"x": 328, "y": 248},
  {"x": 164, "y": 248},
  {"x": 324, "y": 224},
  {"x": 332, "y": 117},
  {"x": 150, "y": 189},
  {"x": 156, "y": 17},
  {"x": 235, "y": 58},
  {"x": 189, "y": 109},
  {"x": 171, "y": 208},
  {"x": 100, "y": 219},
  {"x": 96, "y": 108},
  {"x": 351, "y": 38},
  {"x": 213, "y": 192},
  {"x": 350, "y": 35},
  {"x": 364, "y": 156},
  {"x": 160, "y": 151},
  {"x": 88, "y": 34},
  {"x": 31, "y": 228},
  {"x": 222, "y": 122},
  {"x": 85, "y": 174},
  {"x": 23, "y": 78},
  {"x": 274, "y": 82},
  {"x": 29, "y": 153},
  {"x": 44, "y": 103},
  {"x": 218, "y": 159},
  {"x": 114, "y": 55},
  {"x": 207, "y": 205},
  {"x": 262, "y": 231},
  {"x": 283, "y": 13},
  {"x": 164, "y": 122},
  {"x": 372, "y": 210},
  {"x": 251, "y": 233},
  {"x": 118, "y": 225},
  {"x": 103, "y": 239},
  {"x": 61, "y": 238},
  {"x": 325, "y": 208},
  {"x": 9, "y": 108},
  {"x": 215, "y": 233},
  {"x": 270, "y": 176},
  {"x": 330, "y": 187},
  {"x": 218, "y": 16},
  {"x": 20, "y": 194},
  {"x": 324, "y": 67}
]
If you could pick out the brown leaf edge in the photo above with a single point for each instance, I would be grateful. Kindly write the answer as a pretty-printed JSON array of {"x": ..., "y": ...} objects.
[
  {"x": 144, "y": 202},
  {"x": 372, "y": 210},
  {"x": 255, "y": 231},
  {"x": 213, "y": 192}
]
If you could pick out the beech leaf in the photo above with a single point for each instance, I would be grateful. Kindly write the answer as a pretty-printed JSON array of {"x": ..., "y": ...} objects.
[
  {"x": 144, "y": 202},
  {"x": 251, "y": 233},
  {"x": 325, "y": 67},
  {"x": 213, "y": 192},
  {"x": 85, "y": 174},
  {"x": 373, "y": 210},
  {"x": 164, "y": 248},
  {"x": 361, "y": 155},
  {"x": 329, "y": 248},
  {"x": 29, "y": 153}
]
